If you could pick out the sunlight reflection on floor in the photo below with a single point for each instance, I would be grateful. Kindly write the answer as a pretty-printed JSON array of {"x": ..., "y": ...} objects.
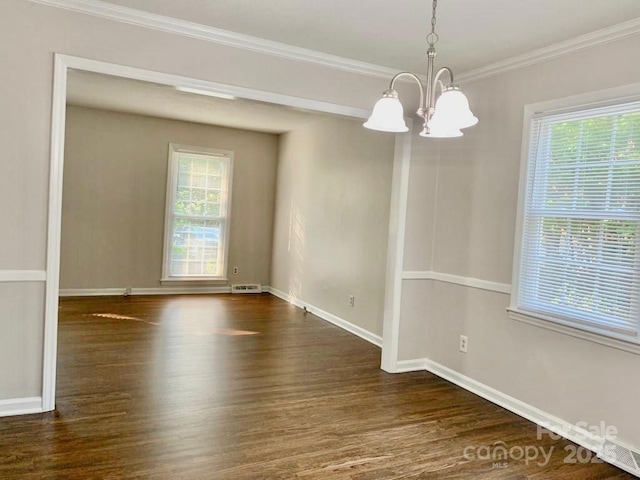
[{"x": 115, "y": 316}]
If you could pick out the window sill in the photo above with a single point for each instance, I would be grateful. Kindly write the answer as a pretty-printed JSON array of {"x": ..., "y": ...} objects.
[
  {"x": 581, "y": 332},
  {"x": 201, "y": 280}
]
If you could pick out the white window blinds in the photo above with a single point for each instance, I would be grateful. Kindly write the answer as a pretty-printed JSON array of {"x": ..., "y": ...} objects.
[{"x": 580, "y": 258}]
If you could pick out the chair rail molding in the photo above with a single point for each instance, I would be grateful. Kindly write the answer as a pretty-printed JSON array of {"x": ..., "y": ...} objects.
[
  {"x": 458, "y": 280},
  {"x": 7, "y": 276}
]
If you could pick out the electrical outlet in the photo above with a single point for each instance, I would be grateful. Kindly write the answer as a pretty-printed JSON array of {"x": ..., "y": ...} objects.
[
  {"x": 464, "y": 344},
  {"x": 235, "y": 270},
  {"x": 352, "y": 300}
]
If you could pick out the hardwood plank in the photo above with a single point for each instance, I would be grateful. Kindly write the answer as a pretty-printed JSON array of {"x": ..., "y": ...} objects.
[{"x": 249, "y": 387}]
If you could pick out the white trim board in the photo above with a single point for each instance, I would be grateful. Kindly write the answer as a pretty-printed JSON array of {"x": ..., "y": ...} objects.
[
  {"x": 557, "y": 425},
  {"x": 20, "y": 406},
  {"x": 95, "y": 292},
  {"x": 54, "y": 233},
  {"x": 22, "y": 276},
  {"x": 134, "y": 73},
  {"x": 224, "y": 37},
  {"x": 583, "y": 333},
  {"x": 216, "y": 35},
  {"x": 457, "y": 280},
  {"x": 415, "y": 365},
  {"x": 395, "y": 249},
  {"x": 329, "y": 317}
]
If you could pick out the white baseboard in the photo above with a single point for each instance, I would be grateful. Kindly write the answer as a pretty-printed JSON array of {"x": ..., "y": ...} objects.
[
  {"x": 20, "y": 406},
  {"x": 93, "y": 292},
  {"x": 90, "y": 292},
  {"x": 404, "y": 366},
  {"x": 572, "y": 432},
  {"x": 329, "y": 317},
  {"x": 280, "y": 294},
  {"x": 535, "y": 415}
]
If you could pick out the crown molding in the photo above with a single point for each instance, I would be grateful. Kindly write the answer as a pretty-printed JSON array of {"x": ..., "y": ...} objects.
[
  {"x": 609, "y": 34},
  {"x": 224, "y": 37},
  {"x": 132, "y": 16}
]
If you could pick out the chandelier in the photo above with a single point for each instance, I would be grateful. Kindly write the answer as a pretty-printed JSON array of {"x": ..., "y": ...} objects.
[{"x": 444, "y": 116}]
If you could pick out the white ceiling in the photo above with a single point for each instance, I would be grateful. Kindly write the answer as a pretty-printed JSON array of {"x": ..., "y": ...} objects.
[
  {"x": 391, "y": 33},
  {"x": 143, "y": 98}
]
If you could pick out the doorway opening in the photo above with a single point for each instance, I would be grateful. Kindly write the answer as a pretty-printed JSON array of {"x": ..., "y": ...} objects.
[{"x": 69, "y": 68}]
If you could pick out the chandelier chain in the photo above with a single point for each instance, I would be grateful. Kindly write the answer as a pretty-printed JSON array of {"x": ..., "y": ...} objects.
[
  {"x": 432, "y": 38},
  {"x": 433, "y": 16}
]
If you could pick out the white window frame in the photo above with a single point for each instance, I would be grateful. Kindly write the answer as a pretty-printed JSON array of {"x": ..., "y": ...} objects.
[
  {"x": 603, "y": 98},
  {"x": 172, "y": 180}
]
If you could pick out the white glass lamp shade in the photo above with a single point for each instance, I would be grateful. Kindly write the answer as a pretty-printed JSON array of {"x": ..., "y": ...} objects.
[
  {"x": 452, "y": 110},
  {"x": 387, "y": 115}
]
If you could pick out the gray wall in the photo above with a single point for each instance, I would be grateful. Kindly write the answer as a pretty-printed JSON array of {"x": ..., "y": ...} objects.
[
  {"x": 30, "y": 34},
  {"x": 114, "y": 191},
  {"x": 332, "y": 218},
  {"x": 21, "y": 310},
  {"x": 474, "y": 199},
  {"x": 461, "y": 221}
]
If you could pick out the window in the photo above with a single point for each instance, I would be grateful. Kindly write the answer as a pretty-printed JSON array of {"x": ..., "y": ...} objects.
[
  {"x": 577, "y": 258},
  {"x": 197, "y": 213}
]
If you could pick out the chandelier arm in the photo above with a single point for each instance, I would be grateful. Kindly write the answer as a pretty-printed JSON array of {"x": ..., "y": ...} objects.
[
  {"x": 445, "y": 69},
  {"x": 411, "y": 75},
  {"x": 437, "y": 81}
]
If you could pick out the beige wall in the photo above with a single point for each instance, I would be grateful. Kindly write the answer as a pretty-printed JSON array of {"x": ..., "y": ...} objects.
[
  {"x": 475, "y": 198},
  {"x": 30, "y": 34},
  {"x": 114, "y": 191},
  {"x": 332, "y": 218},
  {"x": 472, "y": 235},
  {"x": 21, "y": 311}
]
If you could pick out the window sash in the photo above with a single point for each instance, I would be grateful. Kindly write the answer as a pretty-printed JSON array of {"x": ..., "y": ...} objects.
[
  {"x": 196, "y": 229},
  {"x": 588, "y": 278}
]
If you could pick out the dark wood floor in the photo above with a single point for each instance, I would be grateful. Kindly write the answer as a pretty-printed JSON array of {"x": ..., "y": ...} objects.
[{"x": 248, "y": 387}]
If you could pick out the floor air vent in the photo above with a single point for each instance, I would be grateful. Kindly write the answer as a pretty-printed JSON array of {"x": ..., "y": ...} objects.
[
  {"x": 246, "y": 288},
  {"x": 621, "y": 457}
]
